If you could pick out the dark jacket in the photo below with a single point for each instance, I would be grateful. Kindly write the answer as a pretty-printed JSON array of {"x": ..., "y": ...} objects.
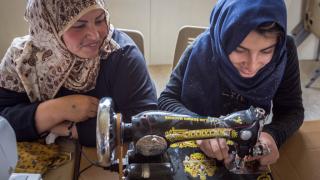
[
  {"x": 288, "y": 111},
  {"x": 123, "y": 77}
]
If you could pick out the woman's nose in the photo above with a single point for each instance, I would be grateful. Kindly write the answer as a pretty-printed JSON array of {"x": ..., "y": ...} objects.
[
  {"x": 252, "y": 63},
  {"x": 93, "y": 33}
]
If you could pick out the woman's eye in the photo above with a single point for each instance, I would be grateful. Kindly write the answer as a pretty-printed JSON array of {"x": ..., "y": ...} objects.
[
  {"x": 100, "y": 21},
  {"x": 238, "y": 50},
  {"x": 78, "y": 26},
  {"x": 268, "y": 51}
]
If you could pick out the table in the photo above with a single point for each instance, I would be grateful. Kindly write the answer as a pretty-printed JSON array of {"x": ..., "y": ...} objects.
[
  {"x": 300, "y": 155},
  {"x": 68, "y": 170},
  {"x": 299, "y": 159}
]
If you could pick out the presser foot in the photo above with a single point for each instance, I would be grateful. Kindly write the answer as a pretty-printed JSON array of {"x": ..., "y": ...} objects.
[{"x": 246, "y": 167}]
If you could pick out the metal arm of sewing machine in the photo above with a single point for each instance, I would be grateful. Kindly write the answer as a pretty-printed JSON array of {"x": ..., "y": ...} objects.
[{"x": 152, "y": 132}]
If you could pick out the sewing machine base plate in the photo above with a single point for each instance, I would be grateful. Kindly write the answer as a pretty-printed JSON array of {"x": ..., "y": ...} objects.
[{"x": 188, "y": 162}]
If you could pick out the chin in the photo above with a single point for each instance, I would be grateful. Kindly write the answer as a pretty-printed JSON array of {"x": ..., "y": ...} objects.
[
  {"x": 88, "y": 55},
  {"x": 93, "y": 56},
  {"x": 247, "y": 75}
]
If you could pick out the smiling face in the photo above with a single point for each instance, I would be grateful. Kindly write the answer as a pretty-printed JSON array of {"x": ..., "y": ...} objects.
[
  {"x": 86, "y": 35},
  {"x": 253, "y": 53}
]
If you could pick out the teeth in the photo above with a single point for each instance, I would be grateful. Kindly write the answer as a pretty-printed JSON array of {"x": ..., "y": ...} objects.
[{"x": 92, "y": 45}]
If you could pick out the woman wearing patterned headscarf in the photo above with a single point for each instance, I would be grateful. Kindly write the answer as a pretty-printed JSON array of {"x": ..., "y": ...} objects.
[
  {"x": 244, "y": 58},
  {"x": 71, "y": 58}
]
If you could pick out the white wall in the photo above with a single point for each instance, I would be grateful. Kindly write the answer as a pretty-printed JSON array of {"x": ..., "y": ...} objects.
[
  {"x": 158, "y": 20},
  {"x": 167, "y": 17},
  {"x": 132, "y": 14},
  {"x": 12, "y": 22}
]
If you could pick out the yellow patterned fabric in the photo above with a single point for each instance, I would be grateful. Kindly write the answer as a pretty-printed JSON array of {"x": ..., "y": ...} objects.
[
  {"x": 36, "y": 157},
  {"x": 199, "y": 165}
]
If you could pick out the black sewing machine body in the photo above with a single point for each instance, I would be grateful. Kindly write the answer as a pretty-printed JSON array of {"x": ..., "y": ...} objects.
[{"x": 162, "y": 143}]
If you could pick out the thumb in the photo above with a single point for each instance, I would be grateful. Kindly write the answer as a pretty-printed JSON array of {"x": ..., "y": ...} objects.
[
  {"x": 229, "y": 159},
  {"x": 199, "y": 142}
]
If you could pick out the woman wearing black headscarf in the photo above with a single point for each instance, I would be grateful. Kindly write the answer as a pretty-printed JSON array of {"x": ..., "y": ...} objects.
[{"x": 244, "y": 58}]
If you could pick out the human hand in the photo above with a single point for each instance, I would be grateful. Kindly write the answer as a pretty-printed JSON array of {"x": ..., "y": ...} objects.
[
  {"x": 74, "y": 108},
  {"x": 66, "y": 128},
  {"x": 271, "y": 158},
  {"x": 78, "y": 108},
  {"x": 61, "y": 129},
  {"x": 216, "y": 148}
]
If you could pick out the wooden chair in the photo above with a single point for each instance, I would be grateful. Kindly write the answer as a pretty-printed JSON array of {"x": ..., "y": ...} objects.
[
  {"x": 186, "y": 36},
  {"x": 312, "y": 24},
  {"x": 309, "y": 24},
  {"x": 136, "y": 36}
]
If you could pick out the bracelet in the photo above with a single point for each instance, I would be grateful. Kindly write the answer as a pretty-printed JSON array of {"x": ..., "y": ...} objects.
[{"x": 70, "y": 130}]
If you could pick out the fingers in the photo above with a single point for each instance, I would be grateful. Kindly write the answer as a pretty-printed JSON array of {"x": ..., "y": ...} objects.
[
  {"x": 94, "y": 103},
  {"x": 61, "y": 129},
  {"x": 215, "y": 148},
  {"x": 88, "y": 106},
  {"x": 228, "y": 159},
  {"x": 92, "y": 113},
  {"x": 79, "y": 108},
  {"x": 224, "y": 148},
  {"x": 206, "y": 148},
  {"x": 271, "y": 158},
  {"x": 265, "y": 161}
]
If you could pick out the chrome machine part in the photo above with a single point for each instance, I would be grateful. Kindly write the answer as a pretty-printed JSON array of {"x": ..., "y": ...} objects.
[
  {"x": 105, "y": 130},
  {"x": 245, "y": 135},
  {"x": 260, "y": 150},
  {"x": 145, "y": 171},
  {"x": 260, "y": 113},
  {"x": 151, "y": 145}
]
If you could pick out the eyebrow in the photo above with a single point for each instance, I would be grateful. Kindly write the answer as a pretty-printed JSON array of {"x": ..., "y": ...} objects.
[
  {"x": 269, "y": 47},
  {"x": 98, "y": 17}
]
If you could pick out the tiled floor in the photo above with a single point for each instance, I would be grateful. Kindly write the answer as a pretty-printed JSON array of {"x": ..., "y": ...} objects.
[{"x": 310, "y": 96}]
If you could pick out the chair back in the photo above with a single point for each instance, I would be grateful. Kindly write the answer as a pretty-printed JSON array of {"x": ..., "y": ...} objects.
[
  {"x": 186, "y": 36},
  {"x": 312, "y": 17},
  {"x": 136, "y": 36}
]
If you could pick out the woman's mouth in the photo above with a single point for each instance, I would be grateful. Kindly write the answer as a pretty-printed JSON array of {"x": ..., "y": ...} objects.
[
  {"x": 92, "y": 45},
  {"x": 246, "y": 73}
]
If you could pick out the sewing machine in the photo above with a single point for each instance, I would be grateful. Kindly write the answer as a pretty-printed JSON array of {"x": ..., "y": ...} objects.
[
  {"x": 151, "y": 133},
  {"x": 9, "y": 154},
  {"x": 8, "y": 149}
]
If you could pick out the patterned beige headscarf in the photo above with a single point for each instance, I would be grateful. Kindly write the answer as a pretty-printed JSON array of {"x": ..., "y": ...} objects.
[{"x": 39, "y": 63}]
